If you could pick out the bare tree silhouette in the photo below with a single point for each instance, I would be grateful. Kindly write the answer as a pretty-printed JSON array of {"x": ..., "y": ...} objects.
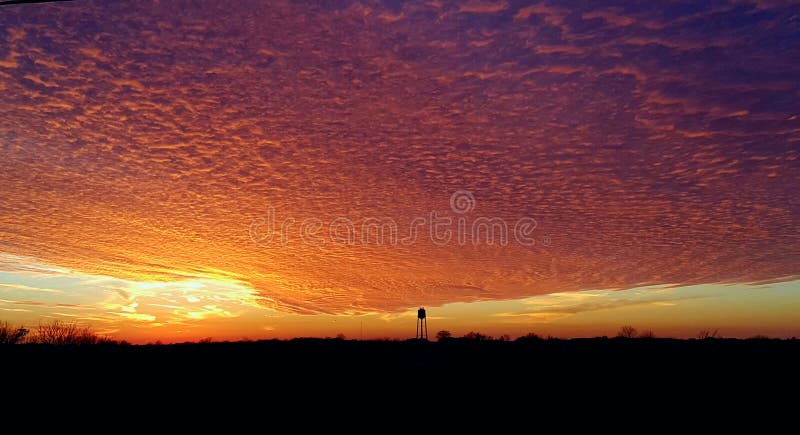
[
  {"x": 627, "y": 331},
  {"x": 60, "y": 333}
]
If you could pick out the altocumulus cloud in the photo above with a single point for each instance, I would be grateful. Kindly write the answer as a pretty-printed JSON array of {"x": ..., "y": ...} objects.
[{"x": 655, "y": 143}]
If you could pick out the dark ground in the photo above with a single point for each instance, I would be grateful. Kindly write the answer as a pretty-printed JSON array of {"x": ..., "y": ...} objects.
[
  {"x": 641, "y": 384},
  {"x": 539, "y": 361},
  {"x": 659, "y": 378}
]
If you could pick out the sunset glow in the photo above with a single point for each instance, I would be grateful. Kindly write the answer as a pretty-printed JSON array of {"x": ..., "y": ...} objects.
[{"x": 179, "y": 170}]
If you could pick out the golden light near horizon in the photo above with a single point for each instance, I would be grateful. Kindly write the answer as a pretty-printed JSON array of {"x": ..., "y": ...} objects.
[{"x": 178, "y": 311}]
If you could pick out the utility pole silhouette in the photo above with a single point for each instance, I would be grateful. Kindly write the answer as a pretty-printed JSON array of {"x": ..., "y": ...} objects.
[{"x": 422, "y": 325}]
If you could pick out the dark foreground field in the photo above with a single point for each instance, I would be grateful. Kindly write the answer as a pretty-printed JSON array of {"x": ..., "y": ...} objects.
[
  {"x": 639, "y": 384},
  {"x": 638, "y": 364},
  {"x": 317, "y": 382}
]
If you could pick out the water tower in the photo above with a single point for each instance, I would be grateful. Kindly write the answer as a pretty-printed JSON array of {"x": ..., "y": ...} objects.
[{"x": 422, "y": 325}]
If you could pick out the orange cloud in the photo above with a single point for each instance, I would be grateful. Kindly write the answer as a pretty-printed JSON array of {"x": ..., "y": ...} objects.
[
  {"x": 483, "y": 7},
  {"x": 145, "y": 151}
]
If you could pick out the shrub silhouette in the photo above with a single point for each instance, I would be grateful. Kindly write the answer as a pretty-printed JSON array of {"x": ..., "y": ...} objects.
[
  {"x": 627, "y": 331},
  {"x": 531, "y": 336},
  {"x": 443, "y": 335},
  {"x": 10, "y": 334},
  {"x": 708, "y": 335},
  {"x": 58, "y": 333},
  {"x": 477, "y": 336}
]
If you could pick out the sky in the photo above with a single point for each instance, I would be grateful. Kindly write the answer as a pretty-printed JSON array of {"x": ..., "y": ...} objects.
[{"x": 179, "y": 170}]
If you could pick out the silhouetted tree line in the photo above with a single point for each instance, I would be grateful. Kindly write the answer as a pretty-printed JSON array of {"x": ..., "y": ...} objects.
[
  {"x": 56, "y": 333},
  {"x": 626, "y": 332},
  {"x": 59, "y": 333}
]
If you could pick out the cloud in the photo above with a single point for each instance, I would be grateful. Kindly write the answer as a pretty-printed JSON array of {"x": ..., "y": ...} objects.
[
  {"x": 610, "y": 17},
  {"x": 28, "y": 288},
  {"x": 483, "y": 7},
  {"x": 560, "y": 305},
  {"x": 552, "y": 15},
  {"x": 649, "y": 147}
]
